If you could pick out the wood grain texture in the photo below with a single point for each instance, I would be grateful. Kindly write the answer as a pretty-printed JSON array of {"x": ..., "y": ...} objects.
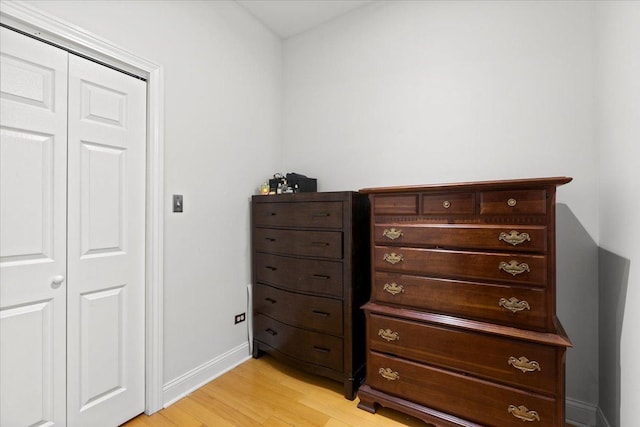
[{"x": 265, "y": 392}]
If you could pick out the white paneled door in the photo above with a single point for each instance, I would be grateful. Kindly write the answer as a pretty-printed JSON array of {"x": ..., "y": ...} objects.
[
  {"x": 72, "y": 239},
  {"x": 33, "y": 217}
]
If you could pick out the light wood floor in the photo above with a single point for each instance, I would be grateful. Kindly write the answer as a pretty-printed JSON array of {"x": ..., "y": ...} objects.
[{"x": 264, "y": 392}]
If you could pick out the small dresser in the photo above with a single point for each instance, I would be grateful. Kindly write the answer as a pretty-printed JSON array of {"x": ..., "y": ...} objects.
[
  {"x": 461, "y": 323},
  {"x": 311, "y": 275}
]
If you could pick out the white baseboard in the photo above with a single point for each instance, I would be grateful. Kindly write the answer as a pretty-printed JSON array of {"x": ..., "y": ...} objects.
[
  {"x": 602, "y": 421},
  {"x": 581, "y": 414},
  {"x": 180, "y": 387}
]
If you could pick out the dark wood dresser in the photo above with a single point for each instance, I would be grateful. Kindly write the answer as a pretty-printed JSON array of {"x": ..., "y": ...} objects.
[
  {"x": 311, "y": 275},
  {"x": 461, "y": 324}
]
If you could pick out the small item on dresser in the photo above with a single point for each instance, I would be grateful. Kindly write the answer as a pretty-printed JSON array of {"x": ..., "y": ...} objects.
[{"x": 301, "y": 183}]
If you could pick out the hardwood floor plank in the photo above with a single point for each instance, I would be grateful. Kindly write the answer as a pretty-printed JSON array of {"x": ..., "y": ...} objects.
[{"x": 265, "y": 392}]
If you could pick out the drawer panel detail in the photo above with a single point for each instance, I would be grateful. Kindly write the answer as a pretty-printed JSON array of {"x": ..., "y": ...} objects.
[
  {"x": 316, "y": 313},
  {"x": 396, "y": 205},
  {"x": 514, "y": 268},
  {"x": 320, "y": 349},
  {"x": 298, "y": 274},
  {"x": 485, "y": 403},
  {"x": 505, "y": 238},
  {"x": 513, "y": 202},
  {"x": 518, "y": 363},
  {"x": 299, "y": 214},
  {"x": 321, "y": 244},
  {"x": 448, "y": 204},
  {"x": 482, "y": 301}
]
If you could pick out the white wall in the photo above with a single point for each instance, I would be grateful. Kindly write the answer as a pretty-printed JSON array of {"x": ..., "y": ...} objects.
[
  {"x": 409, "y": 92},
  {"x": 223, "y": 85},
  {"x": 618, "y": 137}
]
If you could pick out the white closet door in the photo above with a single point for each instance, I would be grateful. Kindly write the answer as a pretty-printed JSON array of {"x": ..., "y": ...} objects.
[
  {"x": 33, "y": 197},
  {"x": 106, "y": 243}
]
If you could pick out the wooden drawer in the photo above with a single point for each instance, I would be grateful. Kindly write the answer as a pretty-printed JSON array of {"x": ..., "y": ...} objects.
[
  {"x": 448, "y": 204},
  {"x": 476, "y": 400},
  {"x": 517, "y": 306},
  {"x": 513, "y": 202},
  {"x": 322, "y": 244},
  {"x": 397, "y": 204},
  {"x": 504, "y": 267},
  {"x": 520, "y": 363},
  {"x": 312, "y": 347},
  {"x": 493, "y": 237},
  {"x": 298, "y": 214},
  {"x": 317, "y": 313},
  {"x": 297, "y": 274}
]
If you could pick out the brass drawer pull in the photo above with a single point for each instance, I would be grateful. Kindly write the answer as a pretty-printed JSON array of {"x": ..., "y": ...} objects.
[
  {"x": 513, "y": 304},
  {"x": 523, "y": 413},
  {"x": 524, "y": 364},
  {"x": 393, "y": 258},
  {"x": 392, "y": 233},
  {"x": 320, "y": 276},
  {"x": 514, "y": 267},
  {"x": 446, "y": 204},
  {"x": 514, "y": 238},
  {"x": 389, "y": 335},
  {"x": 393, "y": 288},
  {"x": 512, "y": 202},
  {"x": 388, "y": 374}
]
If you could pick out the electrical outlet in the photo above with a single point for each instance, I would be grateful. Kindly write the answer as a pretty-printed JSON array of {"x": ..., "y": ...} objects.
[{"x": 239, "y": 318}]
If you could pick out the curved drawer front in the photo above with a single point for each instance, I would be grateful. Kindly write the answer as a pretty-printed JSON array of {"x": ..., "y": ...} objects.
[
  {"x": 516, "y": 306},
  {"x": 476, "y": 400},
  {"x": 298, "y": 214},
  {"x": 317, "y": 313},
  {"x": 504, "y": 267},
  {"x": 322, "y": 244},
  {"x": 502, "y": 238},
  {"x": 312, "y": 347},
  {"x": 520, "y": 363},
  {"x": 296, "y": 274}
]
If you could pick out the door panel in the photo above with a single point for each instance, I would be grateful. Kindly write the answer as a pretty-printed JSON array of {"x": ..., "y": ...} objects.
[
  {"x": 33, "y": 153},
  {"x": 106, "y": 221}
]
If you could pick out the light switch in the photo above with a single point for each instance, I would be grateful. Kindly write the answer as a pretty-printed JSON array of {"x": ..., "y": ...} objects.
[{"x": 177, "y": 202}]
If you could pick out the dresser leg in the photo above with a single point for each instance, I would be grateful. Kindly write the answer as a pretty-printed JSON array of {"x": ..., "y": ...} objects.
[
  {"x": 256, "y": 353},
  {"x": 367, "y": 403}
]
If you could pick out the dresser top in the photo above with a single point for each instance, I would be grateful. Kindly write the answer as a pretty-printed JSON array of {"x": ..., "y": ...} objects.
[{"x": 477, "y": 185}]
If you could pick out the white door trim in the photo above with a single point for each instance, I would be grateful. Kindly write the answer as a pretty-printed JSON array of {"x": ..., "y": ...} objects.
[{"x": 40, "y": 24}]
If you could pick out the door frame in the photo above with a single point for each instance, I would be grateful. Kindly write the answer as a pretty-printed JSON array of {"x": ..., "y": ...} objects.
[{"x": 46, "y": 27}]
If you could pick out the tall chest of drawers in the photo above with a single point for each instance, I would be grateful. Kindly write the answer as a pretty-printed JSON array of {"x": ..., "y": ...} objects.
[
  {"x": 461, "y": 323},
  {"x": 311, "y": 275}
]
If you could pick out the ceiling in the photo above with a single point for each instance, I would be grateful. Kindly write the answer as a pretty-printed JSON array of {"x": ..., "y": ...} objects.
[{"x": 287, "y": 18}]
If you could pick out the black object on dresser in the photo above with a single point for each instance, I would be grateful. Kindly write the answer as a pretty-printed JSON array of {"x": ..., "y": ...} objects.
[
  {"x": 311, "y": 275},
  {"x": 461, "y": 325}
]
